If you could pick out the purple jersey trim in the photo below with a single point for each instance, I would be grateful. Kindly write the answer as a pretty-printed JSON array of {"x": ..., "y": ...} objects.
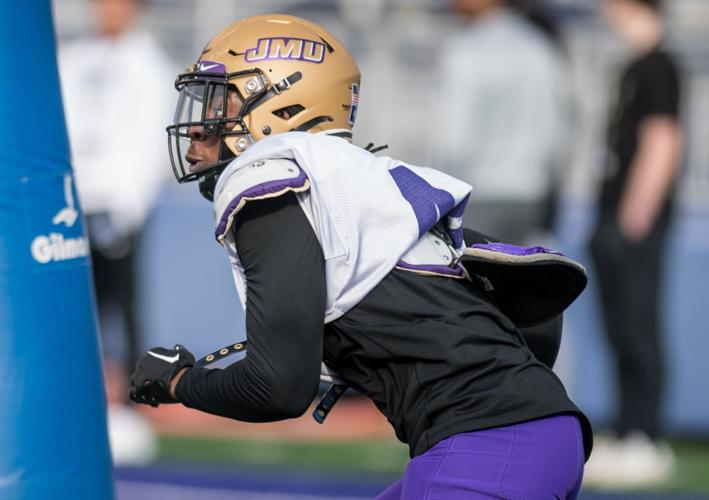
[
  {"x": 259, "y": 191},
  {"x": 459, "y": 209},
  {"x": 513, "y": 249},
  {"x": 457, "y": 236},
  {"x": 456, "y": 272},
  {"x": 456, "y": 233},
  {"x": 430, "y": 204}
]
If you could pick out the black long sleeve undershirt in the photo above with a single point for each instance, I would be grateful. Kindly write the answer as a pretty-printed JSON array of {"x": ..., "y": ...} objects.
[
  {"x": 285, "y": 307},
  {"x": 285, "y": 270}
]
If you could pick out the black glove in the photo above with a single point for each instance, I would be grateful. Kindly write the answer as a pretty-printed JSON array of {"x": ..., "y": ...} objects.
[{"x": 150, "y": 382}]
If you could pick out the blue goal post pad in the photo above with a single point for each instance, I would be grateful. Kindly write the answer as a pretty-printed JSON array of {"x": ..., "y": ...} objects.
[{"x": 52, "y": 402}]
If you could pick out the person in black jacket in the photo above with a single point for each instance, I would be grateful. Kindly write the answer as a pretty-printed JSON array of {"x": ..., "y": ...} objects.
[{"x": 634, "y": 216}]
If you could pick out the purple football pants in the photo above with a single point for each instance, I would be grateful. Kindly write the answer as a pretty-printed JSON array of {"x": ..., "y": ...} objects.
[{"x": 536, "y": 460}]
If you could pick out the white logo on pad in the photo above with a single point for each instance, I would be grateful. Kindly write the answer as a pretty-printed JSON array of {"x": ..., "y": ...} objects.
[
  {"x": 67, "y": 215},
  {"x": 55, "y": 246},
  {"x": 169, "y": 359}
]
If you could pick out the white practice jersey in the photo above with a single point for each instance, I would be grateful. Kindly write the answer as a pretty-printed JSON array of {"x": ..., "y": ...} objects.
[{"x": 369, "y": 213}]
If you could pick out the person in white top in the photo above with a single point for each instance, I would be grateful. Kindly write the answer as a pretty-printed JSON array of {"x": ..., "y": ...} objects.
[
  {"x": 116, "y": 77},
  {"x": 504, "y": 116},
  {"x": 113, "y": 85}
]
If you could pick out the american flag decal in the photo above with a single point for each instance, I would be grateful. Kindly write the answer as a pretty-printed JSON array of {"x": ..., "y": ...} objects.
[{"x": 355, "y": 104}]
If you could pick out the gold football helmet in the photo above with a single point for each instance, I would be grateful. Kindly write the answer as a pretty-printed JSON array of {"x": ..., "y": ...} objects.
[{"x": 261, "y": 76}]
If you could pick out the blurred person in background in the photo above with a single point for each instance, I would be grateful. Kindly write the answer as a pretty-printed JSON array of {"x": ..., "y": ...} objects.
[
  {"x": 504, "y": 115},
  {"x": 360, "y": 261},
  {"x": 634, "y": 215},
  {"x": 113, "y": 85}
]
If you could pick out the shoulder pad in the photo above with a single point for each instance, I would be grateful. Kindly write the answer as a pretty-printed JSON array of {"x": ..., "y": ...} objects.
[
  {"x": 530, "y": 285},
  {"x": 255, "y": 181}
]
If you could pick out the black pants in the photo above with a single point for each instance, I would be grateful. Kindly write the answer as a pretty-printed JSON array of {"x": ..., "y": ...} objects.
[
  {"x": 630, "y": 280},
  {"x": 114, "y": 279}
]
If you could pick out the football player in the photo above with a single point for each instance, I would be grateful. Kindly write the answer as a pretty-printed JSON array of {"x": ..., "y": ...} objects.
[{"x": 361, "y": 263}]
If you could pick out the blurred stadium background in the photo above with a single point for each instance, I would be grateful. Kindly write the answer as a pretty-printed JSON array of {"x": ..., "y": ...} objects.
[{"x": 186, "y": 292}]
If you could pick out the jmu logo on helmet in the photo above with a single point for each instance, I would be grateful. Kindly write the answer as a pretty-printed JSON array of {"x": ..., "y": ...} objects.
[{"x": 296, "y": 49}]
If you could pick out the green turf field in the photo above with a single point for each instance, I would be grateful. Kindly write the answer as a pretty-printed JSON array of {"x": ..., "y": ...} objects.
[
  {"x": 365, "y": 456},
  {"x": 386, "y": 457}
]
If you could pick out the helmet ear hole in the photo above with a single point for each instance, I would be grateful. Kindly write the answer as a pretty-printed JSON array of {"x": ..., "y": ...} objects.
[{"x": 288, "y": 112}]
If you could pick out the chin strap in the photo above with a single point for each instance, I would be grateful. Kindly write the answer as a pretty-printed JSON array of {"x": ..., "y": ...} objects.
[
  {"x": 208, "y": 182},
  {"x": 327, "y": 402}
]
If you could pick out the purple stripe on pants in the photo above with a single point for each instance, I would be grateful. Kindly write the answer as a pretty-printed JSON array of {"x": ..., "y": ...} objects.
[{"x": 536, "y": 460}]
